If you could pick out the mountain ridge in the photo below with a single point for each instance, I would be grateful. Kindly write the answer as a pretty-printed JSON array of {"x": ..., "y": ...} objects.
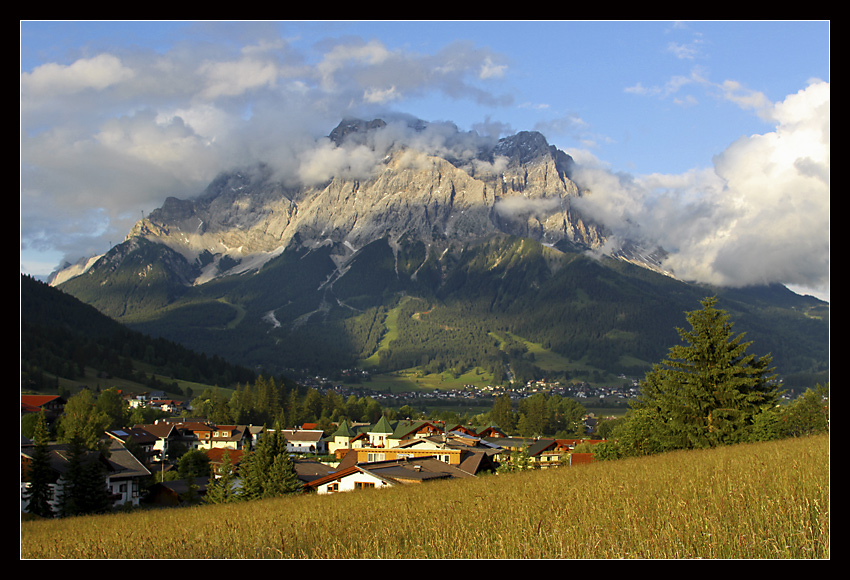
[
  {"x": 517, "y": 185},
  {"x": 278, "y": 275}
]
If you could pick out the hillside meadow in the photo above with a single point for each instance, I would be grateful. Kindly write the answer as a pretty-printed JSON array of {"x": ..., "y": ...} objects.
[{"x": 757, "y": 501}]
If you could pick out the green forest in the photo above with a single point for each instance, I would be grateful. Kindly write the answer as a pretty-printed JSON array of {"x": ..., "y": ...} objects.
[{"x": 411, "y": 307}]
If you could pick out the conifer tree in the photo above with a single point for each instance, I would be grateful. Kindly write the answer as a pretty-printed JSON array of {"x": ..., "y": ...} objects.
[
  {"x": 220, "y": 490},
  {"x": 268, "y": 471},
  {"x": 283, "y": 478},
  {"x": 84, "y": 488},
  {"x": 502, "y": 413},
  {"x": 709, "y": 390},
  {"x": 39, "y": 473}
]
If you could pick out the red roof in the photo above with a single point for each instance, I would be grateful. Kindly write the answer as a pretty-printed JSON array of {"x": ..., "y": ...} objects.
[
  {"x": 216, "y": 455},
  {"x": 38, "y": 400}
]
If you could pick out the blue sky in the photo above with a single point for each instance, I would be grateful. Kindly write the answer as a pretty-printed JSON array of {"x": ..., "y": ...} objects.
[{"x": 710, "y": 138}]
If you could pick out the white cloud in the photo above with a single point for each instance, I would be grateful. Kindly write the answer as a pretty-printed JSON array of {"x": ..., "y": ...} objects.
[
  {"x": 760, "y": 215},
  {"x": 54, "y": 80},
  {"x": 112, "y": 137}
]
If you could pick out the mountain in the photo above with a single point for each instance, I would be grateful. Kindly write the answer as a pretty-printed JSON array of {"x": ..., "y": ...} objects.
[{"x": 444, "y": 251}]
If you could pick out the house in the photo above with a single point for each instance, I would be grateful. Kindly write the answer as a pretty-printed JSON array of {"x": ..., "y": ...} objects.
[
  {"x": 176, "y": 492},
  {"x": 384, "y": 474},
  {"x": 375, "y": 454},
  {"x": 490, "y": 431},
  {"x": 139, "y": 437},
  {"x": 305, "y": 441},
  {"x": 216, "y": 457},
  {"x": 541, "y": 452},
  {"x": 197, "y": 434},
  {"x": 471, "y": 454},
  {"x": 545, "y": 453},
  {"x": 166, "y": 435},
  {"x": 380, "y": 433},
  {"x": 310, "y": 470},
  {"x": 340, "y": 441},
  {"x": 124, "y": 473},
  {"x": 52, "y": 405},
  {"x": 407, "y": 429},
  {"x": 200, "y": 434},
  {"x": 231, "y": 437},
  {"x": 171, "y": 406}
]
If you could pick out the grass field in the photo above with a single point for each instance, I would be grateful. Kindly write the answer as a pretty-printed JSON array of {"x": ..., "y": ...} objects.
[{"x": 753, "y": 501}]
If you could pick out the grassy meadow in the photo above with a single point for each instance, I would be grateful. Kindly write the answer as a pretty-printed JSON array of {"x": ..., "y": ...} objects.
[{"x": 755, "y": 501}]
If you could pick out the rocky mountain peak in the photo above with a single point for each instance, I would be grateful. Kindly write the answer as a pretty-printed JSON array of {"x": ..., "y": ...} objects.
[
  {"x": 430, "y": 182},
  {"x": 349, "y": 129}
]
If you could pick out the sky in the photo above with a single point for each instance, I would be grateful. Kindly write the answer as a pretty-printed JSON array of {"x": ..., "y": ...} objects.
[{"x": 708, "y": 138}]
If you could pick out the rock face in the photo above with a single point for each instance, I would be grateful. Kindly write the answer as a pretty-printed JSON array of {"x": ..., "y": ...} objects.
[{"x": 519, "y": 185}]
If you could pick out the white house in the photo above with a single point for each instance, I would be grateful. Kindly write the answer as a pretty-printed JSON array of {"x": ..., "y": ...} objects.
[{"x": 305, "y": 441}]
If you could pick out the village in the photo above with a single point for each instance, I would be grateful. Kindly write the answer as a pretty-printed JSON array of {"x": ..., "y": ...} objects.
[
  {"x": 354, "y": 456},
  {"x": 604, "y": 395}
]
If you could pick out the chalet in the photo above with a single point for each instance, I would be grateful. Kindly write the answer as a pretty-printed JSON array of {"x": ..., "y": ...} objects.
[
  {"x": 471, "y": 454},
  {"x": 545, "y": 453},
  {"x": 541, "y": 452},
  {"x": 373, "y": 454}
]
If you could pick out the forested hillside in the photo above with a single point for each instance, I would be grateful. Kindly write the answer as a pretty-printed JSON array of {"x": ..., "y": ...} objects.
[{"x": 61, "y": 337}]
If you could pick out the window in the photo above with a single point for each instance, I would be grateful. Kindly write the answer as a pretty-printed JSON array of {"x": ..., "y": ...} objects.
[{"x": 363, "y": 484}]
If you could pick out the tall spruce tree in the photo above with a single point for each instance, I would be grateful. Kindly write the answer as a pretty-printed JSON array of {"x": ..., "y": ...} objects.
[{"x": 709, "y": 390}]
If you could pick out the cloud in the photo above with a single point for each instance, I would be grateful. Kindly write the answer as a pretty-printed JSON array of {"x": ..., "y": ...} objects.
[
  {"x": 55, "y": 80},
  {"x": 759, "y": 215},
  {"x": 517, "y": 207},
  {"x": 110, "y": 136}
]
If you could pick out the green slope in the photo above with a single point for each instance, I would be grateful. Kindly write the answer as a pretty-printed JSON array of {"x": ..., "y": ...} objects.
[{"x": 422, "y": 308}]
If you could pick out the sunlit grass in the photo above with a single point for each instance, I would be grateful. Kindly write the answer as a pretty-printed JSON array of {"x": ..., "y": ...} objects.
[{"x": 767, "y": 500}]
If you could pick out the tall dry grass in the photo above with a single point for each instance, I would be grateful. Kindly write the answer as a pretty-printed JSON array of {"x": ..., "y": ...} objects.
[{"x": 766, "y": 500}]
